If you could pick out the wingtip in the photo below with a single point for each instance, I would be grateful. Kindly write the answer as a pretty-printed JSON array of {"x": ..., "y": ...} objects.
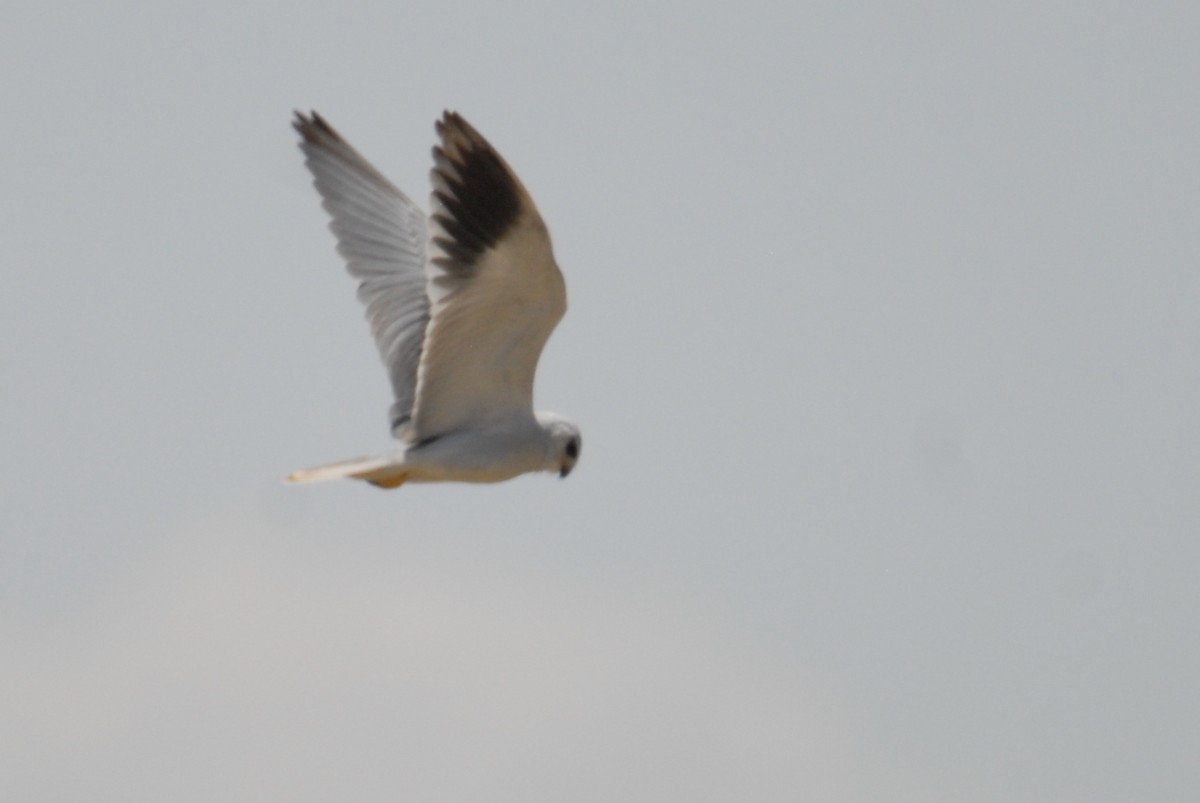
[
  {"x": 476, "y": 198},
  {"x": 314, "y": 128},
  {"x": 301, "y": 121},
  {"x": 454, "y": 126}
]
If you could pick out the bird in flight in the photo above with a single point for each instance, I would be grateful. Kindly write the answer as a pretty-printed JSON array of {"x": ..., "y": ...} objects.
[{"x": 460, "y": 304}]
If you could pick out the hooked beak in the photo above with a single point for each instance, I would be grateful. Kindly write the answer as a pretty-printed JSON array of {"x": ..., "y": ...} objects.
[{"x": 564, "y": 471}]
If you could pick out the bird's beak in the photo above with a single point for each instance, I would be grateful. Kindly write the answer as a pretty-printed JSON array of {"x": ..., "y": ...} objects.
[{"x": 564, "y": 471}]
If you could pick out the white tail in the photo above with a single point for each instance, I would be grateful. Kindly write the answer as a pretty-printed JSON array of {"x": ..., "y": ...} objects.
[{"x": 381, "y": 470}]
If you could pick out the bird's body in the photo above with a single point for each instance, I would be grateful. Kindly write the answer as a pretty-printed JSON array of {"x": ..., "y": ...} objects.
[{"x": 460, "y": 305}]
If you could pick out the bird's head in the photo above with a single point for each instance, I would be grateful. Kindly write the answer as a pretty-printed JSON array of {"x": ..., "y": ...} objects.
[{"x": 566, "y": 443}]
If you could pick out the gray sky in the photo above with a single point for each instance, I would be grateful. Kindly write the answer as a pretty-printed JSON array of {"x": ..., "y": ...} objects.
[{"x": 883, "y": 337}]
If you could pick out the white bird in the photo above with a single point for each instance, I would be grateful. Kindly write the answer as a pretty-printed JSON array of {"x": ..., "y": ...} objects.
[{"x": 460, "y": 305}]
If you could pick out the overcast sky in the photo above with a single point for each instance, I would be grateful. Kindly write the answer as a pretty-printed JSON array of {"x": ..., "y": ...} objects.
[{"x": 882, "y": 335}]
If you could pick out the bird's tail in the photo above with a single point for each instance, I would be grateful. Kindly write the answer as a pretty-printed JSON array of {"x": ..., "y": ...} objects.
[{"x": 384, "y": 471}]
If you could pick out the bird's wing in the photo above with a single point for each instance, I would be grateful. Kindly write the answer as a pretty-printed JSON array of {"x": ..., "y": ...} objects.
[
  {"x": 497, "y": 293},
  {"x": 381, "y": 235}
]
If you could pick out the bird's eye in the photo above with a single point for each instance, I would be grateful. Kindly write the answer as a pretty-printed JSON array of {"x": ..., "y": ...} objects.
[{"x": 573, "y": 449}]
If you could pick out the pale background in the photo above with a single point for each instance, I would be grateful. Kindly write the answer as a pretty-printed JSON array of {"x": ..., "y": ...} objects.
[{"x": 883, "y": 337}]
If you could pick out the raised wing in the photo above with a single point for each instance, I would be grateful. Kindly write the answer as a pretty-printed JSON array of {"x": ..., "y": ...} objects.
[
  {"x": 381, "y": 235},
  {"x": 497, "y": 292}
]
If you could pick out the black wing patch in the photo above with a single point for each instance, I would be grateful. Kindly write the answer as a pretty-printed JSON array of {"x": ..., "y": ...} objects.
[{"x": 479, "y": 194}]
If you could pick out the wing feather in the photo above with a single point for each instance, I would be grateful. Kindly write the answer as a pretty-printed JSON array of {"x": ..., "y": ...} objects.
[
  {"x": 496, "y": 291},
  {"x": 382, "y": 237}
]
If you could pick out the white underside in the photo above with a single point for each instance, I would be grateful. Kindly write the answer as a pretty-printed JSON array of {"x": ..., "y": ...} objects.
[{"x": 495, "y": 454}]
